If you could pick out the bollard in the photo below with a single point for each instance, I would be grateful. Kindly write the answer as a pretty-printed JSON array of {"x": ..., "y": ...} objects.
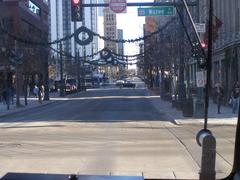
[
  {"x": 73, "y": 177},
  {"x": 208, "y": 143}
]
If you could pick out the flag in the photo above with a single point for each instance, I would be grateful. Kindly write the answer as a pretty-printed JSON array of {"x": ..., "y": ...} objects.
[
  {"x": 217, "y": 23},
  {"x": 151, "y": 24}
]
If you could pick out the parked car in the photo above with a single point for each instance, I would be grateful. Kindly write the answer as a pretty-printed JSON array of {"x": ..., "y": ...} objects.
[{"x": 129, "y": 84}]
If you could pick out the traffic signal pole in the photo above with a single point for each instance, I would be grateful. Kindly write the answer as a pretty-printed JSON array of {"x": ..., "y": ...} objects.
[
  {"x": 181, "y": 84},
  {"x": 141, "y": 4},
  {"x": 209, "y": 61},
  {"x": 76, "y": 10}
]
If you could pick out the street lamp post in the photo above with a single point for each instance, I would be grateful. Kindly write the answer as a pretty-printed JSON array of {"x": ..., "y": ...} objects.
[
  {"x": 61, "y": 73},
  {"x": 46, "y": 76},
  {"x": 18, "y": 83},
  {"x": 78, "y": 72}
]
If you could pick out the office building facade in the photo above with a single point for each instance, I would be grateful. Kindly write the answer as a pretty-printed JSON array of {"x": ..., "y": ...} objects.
[{"x": 61, "y": 26}]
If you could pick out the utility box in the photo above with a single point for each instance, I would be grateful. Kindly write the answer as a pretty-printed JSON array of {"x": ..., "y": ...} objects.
[
  {"x": 187, "y": 108},
  {"x": 198, "y": 109}
]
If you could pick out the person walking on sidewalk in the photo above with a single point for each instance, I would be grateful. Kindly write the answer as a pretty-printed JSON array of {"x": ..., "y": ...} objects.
[
  {"x": 235, "y": 97},
  {"x": 219, "y": 95},
  {"x": 35, "y": 91},
  {"x": 6, "y": 97},
  {"x": 41, "y": 92}
]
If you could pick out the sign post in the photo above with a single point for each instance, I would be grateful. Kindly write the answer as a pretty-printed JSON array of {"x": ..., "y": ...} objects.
[
  {"x": 118, "y": 6},
  {"x": 201, "y": 79}
]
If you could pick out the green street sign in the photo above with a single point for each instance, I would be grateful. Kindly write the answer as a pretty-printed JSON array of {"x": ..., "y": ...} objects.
[{"x": 157, "y": 11}]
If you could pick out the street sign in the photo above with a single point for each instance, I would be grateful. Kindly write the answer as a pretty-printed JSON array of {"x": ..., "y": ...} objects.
[
  {"x": 118, "y": 6},
  {"x": 201, "y": 27},
  {"x": 201, "y": 79},
  {"x": 157, "y": 11}
]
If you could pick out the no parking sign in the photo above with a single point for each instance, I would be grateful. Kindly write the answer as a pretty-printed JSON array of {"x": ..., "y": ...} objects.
[{"x": 200, "y": 78}]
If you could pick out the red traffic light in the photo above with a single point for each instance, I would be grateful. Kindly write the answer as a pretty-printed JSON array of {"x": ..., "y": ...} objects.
[
  {"x": 203, "y": 45},
  {"x": 76, "y": 10},
  {"x": 76, "y": 1}
]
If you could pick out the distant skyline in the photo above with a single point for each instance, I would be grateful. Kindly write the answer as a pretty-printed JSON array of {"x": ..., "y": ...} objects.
[{"x": 132, "y": 27}]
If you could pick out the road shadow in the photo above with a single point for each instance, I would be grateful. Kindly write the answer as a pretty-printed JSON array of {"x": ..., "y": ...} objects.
[{"x": 119, "y": 105}]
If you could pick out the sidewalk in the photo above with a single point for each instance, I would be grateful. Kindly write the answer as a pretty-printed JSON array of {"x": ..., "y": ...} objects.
[
  {"x": 225, "y": 118},
  {"x": 32, "y": 103}
]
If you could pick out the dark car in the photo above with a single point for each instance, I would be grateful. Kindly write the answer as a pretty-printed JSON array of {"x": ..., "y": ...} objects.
[{"x": 129, "y": 84}]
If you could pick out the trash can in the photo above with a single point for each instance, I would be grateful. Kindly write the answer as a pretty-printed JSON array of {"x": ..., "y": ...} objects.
[
  {"x": 198, "y": 109},
  {"x": 187, "y": 108},
  {"x": 174, "y": 99}
]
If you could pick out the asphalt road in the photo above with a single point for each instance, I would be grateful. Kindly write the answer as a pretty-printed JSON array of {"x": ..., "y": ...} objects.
[{"x": 107, "y": 131}]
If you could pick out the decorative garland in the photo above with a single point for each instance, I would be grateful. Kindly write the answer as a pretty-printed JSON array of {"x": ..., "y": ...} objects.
[
  {"x": 80, "y": 30},
  {"x": 103, "y": 61},
  {"x": 90, "y": 33},
  {"x": 137, "y": 39}
]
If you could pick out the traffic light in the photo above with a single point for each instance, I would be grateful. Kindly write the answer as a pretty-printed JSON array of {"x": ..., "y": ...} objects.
[
  {"x": 203, "y": 45},
  {"x": 76, "y": 9}
]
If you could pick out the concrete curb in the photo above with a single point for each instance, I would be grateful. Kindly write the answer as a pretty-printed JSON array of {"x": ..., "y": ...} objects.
[
  {"x": 178, "y": 119},
  {"x": 211, "y": 122},
  {"x": 29, "y": 107},
  {"x": 25, "y": 109}
]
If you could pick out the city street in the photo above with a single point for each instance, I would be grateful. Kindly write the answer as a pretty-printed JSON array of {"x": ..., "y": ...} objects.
[{"x": 107, "y": 132}]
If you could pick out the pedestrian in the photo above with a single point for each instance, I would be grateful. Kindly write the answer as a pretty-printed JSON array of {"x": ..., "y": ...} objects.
[
  {"x": 28, "y": 90},
  {"x": 12, "y": 93},
  {"x": 219, "y": 96},
  {"x": 36, "y": 91},
  {"x": 42, "y": 91},
  {"x": 235, "y": 97},
  {"x": 4, "y": 96}
]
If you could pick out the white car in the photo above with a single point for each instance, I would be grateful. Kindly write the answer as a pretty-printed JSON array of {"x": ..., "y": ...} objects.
[{"x": 120, "y": 82}]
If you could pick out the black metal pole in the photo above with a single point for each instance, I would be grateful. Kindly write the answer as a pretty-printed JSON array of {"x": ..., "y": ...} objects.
[
  {"x": 17, "y": 67},
  {"x": 6, "y": 89},
  {"x": 78, "y": 71},
  {"x": 46, "y": 89},
  {"x": 142, "y": 4},
  {"x": 181, "y": 85},
  {"x": 236, "y": 163},
  {"x": 193, "y": 25},
  {"x": 61, "y": 72},
  {"x": 209, "y": 63}
]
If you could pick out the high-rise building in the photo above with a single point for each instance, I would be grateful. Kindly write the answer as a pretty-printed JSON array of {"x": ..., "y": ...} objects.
[
  {"x": 120, "y": 45},
  {"x": 110, "y": 28},
  {"x": 28, "y": 20},
  {"x": 122, "y": 67},
  {"x": 110, "y": 31},
  {"x": 61, "y": 26}
]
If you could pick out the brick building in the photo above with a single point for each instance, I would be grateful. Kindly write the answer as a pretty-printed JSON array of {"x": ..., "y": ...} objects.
[
  {"x": 226, "y": 49},
  {"x": 27, "y": 19}
]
